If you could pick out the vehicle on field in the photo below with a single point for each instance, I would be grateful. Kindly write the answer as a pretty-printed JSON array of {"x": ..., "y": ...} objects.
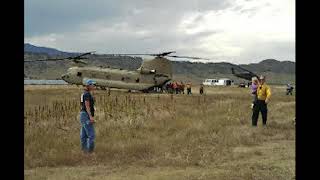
[
  {"x": 242, "y": 85},
  {"x": 218, "y": 82}
]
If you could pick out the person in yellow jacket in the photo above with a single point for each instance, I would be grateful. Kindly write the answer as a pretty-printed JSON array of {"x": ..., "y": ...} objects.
[{"x": 260, "y": 105}]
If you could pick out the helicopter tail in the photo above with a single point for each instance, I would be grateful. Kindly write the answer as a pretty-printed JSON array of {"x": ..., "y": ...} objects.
[{"x": 160, "y": 65}]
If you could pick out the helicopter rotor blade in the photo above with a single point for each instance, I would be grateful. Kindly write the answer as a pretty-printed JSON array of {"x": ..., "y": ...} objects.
[
  {"x": 129, "y": 54},
  {"x": 189, "y": 57},
  {"x": 166, "y": 53},
  {"x": 144, "y": 54},
  {"x": 66, "y": 58},
  {"x": 79, "y": 61},
  {"x": 83, "y": 54},
  {"x": 238, "y": 66},
  {"x": 42, "y": 60}
]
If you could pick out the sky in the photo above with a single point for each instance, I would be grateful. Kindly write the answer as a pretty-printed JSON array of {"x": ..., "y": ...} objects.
[{"x": 237, "y": 31}]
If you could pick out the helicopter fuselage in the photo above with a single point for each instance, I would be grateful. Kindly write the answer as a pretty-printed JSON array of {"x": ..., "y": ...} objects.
[{"x": 140, "y": 79}]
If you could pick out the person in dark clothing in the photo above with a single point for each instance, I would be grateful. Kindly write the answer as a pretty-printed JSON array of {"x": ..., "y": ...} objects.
[
  {"x": 201, "y": 89},
  {"x": 289, "y": 89},
  {"x": 189, "y": 88},
  {"x": 87, "y": 132},
  {"x": 182, "y": 87}
]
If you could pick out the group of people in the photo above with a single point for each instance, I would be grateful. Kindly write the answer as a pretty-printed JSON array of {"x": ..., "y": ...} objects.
[
  {"x": 178, "y": 88},
  {"x": 261, "y": 93}
]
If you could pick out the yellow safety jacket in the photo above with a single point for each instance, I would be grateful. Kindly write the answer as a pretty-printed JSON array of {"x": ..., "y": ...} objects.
[{"x": 263, "y": 92}]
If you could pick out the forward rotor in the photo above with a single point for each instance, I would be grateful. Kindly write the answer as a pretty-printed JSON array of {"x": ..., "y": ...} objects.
[{"x": 75, "y": 59}]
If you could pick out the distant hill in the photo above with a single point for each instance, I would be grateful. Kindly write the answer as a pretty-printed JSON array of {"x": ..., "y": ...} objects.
[
  {"x": 278, "y": 72},
  {"x": 272, "y": 65},
  {"x": 29, "y": 48}
]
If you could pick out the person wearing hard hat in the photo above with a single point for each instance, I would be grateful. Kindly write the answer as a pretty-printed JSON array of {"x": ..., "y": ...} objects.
[
  {"x": 263, "y": 98},
  {"x": 87, "y": 132}
]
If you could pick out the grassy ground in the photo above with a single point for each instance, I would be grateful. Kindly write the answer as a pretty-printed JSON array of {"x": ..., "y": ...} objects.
[{"x": 159, "y": 136}]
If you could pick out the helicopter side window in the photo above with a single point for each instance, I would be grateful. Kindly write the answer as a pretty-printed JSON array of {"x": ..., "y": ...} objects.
[{"x": 79, "y": 74}]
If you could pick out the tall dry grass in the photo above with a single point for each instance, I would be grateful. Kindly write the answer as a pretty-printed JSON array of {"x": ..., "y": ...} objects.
[{"x": 153, "y": 130}]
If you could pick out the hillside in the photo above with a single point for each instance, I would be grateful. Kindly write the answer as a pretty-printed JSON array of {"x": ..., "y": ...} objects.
[
  {"x": 29, "y": 48},
  {"x": 279, "y": 72}
]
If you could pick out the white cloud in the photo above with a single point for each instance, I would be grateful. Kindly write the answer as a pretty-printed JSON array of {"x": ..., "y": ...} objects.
[{"x": 240, "y": 32}]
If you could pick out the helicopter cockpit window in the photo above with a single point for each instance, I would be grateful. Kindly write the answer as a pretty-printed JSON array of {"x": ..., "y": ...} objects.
[{"x": 79, "y": 74}]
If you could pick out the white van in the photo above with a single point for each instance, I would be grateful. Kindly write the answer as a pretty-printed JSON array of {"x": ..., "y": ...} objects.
[
  {"x": 209, "y": 82},
  {"x": 224, "y": 82},
  {"x": 216, "y": 82}
]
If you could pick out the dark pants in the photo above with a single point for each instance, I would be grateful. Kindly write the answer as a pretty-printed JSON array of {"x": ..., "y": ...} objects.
[
  {"x": 259, "y": 106},
  {"x": 189, "y": 90}
]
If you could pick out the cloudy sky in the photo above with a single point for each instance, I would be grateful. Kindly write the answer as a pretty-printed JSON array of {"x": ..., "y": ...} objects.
[{"x": 238, "y": 31}]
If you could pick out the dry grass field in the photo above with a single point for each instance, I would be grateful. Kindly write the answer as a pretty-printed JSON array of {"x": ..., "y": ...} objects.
[{"x": 159, "y": 136}]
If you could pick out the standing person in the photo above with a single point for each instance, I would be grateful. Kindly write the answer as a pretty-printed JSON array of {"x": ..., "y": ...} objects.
[
  {"x": 254, "y": 86},
  {"x": 178, "y": 90},
  {"x": 87, "y": 132},
  {"x": 168, "y": 87},
  {"x": 175, "y": 87},
  {"x": 171, "y": 88},
  {"x": 201, "y": 89},
  {"x": 188, "y": 87},
  {"x": 263, "y": 97},
  {"x": 182, "y": 87},
  {"x": 289, "y": 89}
]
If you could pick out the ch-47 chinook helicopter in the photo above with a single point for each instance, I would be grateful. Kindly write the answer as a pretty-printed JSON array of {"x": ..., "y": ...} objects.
[{"x": 152, "y": 73}]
